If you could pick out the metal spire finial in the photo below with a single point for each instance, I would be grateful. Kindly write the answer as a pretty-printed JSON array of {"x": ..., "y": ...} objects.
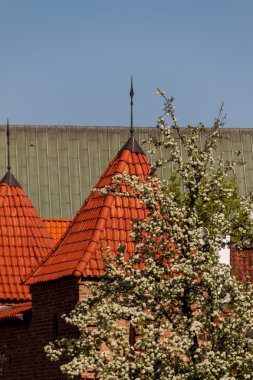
[
  {"x": 131, "y": 96},
  {"x": 8, "y": 146}
]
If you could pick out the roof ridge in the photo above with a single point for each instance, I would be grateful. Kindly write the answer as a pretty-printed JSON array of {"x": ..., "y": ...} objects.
[
  {"x": 32, "y": 272},
  {"x": 76, "y": 272},
  {"x": 94, "y": 242},
  {"x": 117, "y": 160}
]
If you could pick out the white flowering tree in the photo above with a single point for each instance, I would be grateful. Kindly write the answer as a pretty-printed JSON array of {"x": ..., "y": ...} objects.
[{"x": 172, "y": 311}]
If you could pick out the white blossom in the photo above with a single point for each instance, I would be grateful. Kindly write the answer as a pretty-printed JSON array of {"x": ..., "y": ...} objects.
[{"x": 190, "y": 319}]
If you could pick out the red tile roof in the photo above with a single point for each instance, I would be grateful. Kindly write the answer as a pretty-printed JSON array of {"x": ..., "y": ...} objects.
[
  {"x": 24, "y": 240},
  {"x": 57, "y": 227},
  {"x": 14, "y": 311},
  {"x": 102, "y": 218}
]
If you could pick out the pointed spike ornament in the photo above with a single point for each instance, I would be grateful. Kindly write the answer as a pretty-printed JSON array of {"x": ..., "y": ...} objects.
[
  {"x": 131, "y": 103},
  {"x": 8, "y": 146}
]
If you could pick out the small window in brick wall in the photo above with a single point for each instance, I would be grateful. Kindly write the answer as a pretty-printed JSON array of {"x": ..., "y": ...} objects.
[{"x": 55, "y": 327}]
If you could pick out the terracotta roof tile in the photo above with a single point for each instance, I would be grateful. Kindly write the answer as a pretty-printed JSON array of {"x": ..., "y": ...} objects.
[
  {"x": 102, "y": 219},
  {"x": 14, "y": 311},
  {"x": 57, "y": 227},
  {"x": 24, "y": 240}
]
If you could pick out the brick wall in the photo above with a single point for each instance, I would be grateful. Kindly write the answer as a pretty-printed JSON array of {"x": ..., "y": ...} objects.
[
  {"x": 14, "y": 340},
  {"x": 241, "y": 263},
  {"x": 25, "y": 340},
  {"x": 50, "y": 301}
]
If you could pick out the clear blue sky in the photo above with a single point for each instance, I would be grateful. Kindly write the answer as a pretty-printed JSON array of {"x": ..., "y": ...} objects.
[{"x": 70, "y": 61}]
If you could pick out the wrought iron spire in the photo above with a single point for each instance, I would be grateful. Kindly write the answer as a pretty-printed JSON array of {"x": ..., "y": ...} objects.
[
  {"x": 131, "y": 103},
  {"x": 9, "y": 178},
  {"x": 8, "y": 146},
  {"x": 131, "y": 143}
]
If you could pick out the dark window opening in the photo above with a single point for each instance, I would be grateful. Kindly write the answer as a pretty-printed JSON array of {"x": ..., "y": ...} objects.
[{"x": 55, "y": 327}]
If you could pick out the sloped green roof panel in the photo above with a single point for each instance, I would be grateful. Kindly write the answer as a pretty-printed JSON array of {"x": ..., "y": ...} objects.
[{"x": 58, "y": 165}]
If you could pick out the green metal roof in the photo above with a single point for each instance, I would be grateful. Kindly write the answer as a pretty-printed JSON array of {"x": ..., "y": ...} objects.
[{"x": 58, "y": 165}]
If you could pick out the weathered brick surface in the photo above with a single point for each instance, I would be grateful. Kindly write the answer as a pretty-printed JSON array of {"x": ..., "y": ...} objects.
[
  {"x": 24, "y": 341},
  {"x": 241, "y": 264},
  {"x": 14, "y": 346}
]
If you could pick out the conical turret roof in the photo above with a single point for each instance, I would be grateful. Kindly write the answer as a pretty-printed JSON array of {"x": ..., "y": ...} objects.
[
  {"x": 102, "y": 219},
  {"x": 24, "y": 240}
]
